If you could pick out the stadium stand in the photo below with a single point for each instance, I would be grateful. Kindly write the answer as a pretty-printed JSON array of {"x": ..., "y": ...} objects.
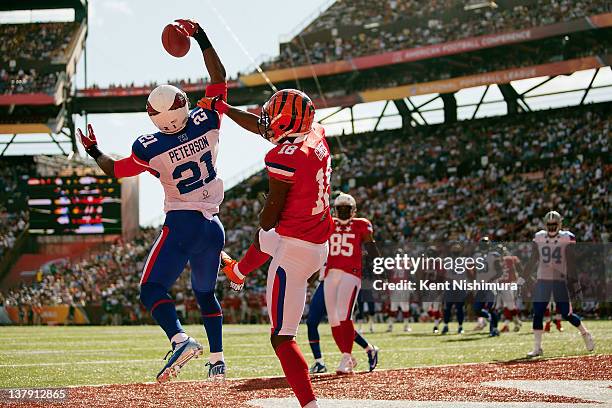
[
  {"x": 32, "y": 56},
  {"x": 407, "y": 24},
  {"x": 13, "y": 207},
  {"x": 464, "y": 180}
]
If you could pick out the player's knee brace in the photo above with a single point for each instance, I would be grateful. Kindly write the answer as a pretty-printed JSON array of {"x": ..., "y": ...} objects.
[
  {"x": 152, "y": 293},
  {"x": 209, "y": 305}
]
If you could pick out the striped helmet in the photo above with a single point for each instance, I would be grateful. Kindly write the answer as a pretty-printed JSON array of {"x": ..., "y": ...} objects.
[{"x": 287, "y": 112}]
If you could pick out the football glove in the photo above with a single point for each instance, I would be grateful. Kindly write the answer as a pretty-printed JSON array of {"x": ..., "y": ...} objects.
[
  {"x": 236, "y": 279},
  {"x": 191, "y": 28},
  {"x": 187, "y": 27},
  {"x": 89, "y": 142},
  {"x": 214, "y": 103}
]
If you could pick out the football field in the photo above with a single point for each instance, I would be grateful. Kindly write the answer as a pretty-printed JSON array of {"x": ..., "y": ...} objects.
[{"x": 69, "y": 356}]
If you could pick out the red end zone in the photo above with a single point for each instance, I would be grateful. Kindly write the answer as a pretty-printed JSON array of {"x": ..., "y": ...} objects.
[{"x": 539, "y": 382}]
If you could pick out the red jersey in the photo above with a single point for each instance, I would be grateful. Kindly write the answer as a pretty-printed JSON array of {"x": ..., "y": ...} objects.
[
  {"x": 345, "y": 243},
  {"x": 307, "y": 165},
  {"x": 509, "y": 268}
]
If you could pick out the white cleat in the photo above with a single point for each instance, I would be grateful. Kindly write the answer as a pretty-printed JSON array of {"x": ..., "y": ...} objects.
[
  {"x": 588, "y": 341},
  {"x": 535, "y": 353},
  {"x": 346, "y": 365},
  {"x": 407, "y": 329}
]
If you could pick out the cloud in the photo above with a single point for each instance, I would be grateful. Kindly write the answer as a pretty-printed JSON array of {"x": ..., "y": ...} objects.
[{"x": 118, "y": 6}]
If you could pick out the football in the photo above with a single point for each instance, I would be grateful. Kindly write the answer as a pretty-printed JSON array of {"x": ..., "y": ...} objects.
[{"x": 175, "y": 42}]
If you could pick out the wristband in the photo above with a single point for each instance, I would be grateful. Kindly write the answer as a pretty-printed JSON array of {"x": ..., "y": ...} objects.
[
  {"x": 94, "y": 152},
  {"x": 202, "y": 39}
]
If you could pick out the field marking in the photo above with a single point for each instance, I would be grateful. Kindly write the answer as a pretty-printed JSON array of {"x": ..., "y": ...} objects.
[
  {"x": 599, "y": 391},
  {"x": 329, "y": 403},
  {"x": 497, "y": 344}
]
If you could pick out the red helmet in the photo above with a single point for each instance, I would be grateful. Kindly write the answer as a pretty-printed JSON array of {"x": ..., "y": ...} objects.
[{"x": 287, "y": 112}]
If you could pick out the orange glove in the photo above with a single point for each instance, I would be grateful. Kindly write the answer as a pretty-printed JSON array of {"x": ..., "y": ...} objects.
[
  {"x": 214, "y": 103},
  {"x": 230, "y": 270}
]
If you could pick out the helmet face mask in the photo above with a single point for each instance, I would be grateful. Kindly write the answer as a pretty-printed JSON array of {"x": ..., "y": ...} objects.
[
  {"x": 345, "y": 212},
  {"x": 552, "y": 221},
  {"x": 168, "y": 109},
  {"x": 345, "y": 207},
  {"x": 287, "y": 113}
]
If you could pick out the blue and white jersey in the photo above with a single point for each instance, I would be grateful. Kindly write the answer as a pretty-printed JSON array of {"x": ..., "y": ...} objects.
[
  {"x": 185, "y": 163},
  {"x": 553, "y": 254}
]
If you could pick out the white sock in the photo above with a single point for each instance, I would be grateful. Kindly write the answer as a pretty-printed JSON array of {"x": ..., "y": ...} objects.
[
  {"x": 312, "y": 404},
  {"x": 179, "y": 338},
  {"x": 583, "y": 330},
  {"x": 214, "y": 357},
  {"x": 436, "y": 322},
  {"x": 537, "y": 339},
  {"x": 320, "y": 361}
]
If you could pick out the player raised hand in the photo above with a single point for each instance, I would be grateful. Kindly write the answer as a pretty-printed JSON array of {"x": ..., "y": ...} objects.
[
  {"x": 89, "y": 140},
  {"x": 187, "y": 27}
]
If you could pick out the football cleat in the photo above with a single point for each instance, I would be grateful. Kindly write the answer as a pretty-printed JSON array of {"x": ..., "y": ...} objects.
[
  {"x": 373, "y": 357},
  {"x": 318, "y": 368},
  {"x": 588, "y": 341},
  {"x": 180, "y": 354},
  {"x": 216, "y": 371},
  {"x": 535, "y": 353},
  {"x": 407, "y": 329},
  {"x": 517, "y": 325},
  {"x": 445, "y": 329},
  {"x": 346, "y": 365},
  {"x": 494, "y": 333},
  {"x": 505, "y": 328},
  {"x": 460, "y": 330},
  {"x": 436, "y": 330},
  {"x": 480, "y": 325}
]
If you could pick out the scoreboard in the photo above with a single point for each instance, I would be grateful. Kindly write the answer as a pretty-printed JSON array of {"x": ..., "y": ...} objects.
[{"x": 74, "y": 205}]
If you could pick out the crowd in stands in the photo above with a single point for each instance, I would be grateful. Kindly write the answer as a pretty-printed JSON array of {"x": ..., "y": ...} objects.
[
  {"x": 28, "y": 81},
  {"x": 13, "y": 211},
  {"x": 26, "y": 48},
  {"x": 35, "y": 41},
  {"x": 420, "y": 25},
  {"x": 494, "y": 177}
]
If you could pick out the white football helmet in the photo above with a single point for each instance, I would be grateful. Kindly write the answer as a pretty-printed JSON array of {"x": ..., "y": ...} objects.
[
  {"x": 345, "y": 206},
  {"x": 168, "y": 108},
  {"x": 552, "y": 223}
]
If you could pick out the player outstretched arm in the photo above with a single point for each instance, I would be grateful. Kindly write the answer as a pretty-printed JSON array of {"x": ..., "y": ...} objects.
[
  {"x": 244, "y": 119},
  {"x": 215, "y": 68},
  {"x": 126, "y": 167}
]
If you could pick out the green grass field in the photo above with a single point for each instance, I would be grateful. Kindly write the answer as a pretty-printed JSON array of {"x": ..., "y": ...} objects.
[{"x": 61, "y": 356}]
